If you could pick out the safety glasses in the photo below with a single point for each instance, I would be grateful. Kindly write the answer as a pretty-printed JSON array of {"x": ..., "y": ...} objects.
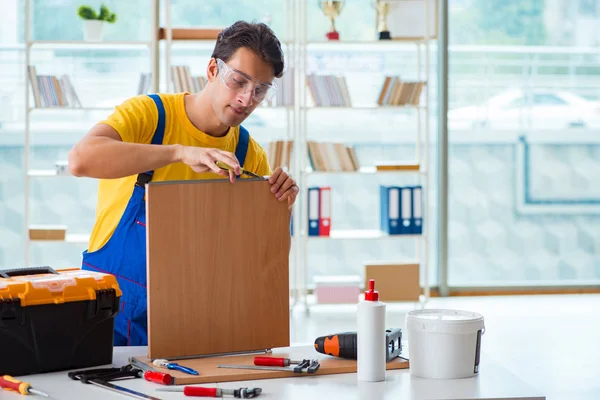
[{"x": 242, "y": 83}]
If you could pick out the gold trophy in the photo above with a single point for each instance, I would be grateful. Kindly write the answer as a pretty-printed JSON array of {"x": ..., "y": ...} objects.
[
  {"x": 383, "y": 8},
  {"x": 331, "y": 9}
]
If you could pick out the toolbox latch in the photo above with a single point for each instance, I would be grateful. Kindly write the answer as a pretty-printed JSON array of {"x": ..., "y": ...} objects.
[
  {"x": 106, "y": 303},
  {"x": 11, "y": 312}
]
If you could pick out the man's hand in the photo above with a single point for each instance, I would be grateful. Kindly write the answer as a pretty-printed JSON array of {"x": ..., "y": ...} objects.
[
  {"x": 202, "y": 159},
  {"x": 283, "y": 186}
]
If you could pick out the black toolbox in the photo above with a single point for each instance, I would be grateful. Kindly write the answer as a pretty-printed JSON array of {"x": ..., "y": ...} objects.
[{"x": 52, "y": 321}]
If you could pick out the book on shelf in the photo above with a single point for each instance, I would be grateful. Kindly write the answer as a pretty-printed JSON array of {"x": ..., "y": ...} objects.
[
  {"x": 183, "y": 81},
  {"x": 52, "y": 91},
  {"x": 401, "y": 209},
  {"x": 284, "y": 96},
  {"x": 145, "y": 82},
  {"x": 332, "y": 157},
  {"x": 279, "y": 154},
  {"x": 319, "y": 211},
  {"x": 328, "y": 90},
  {"x": 396, "y": 92}
]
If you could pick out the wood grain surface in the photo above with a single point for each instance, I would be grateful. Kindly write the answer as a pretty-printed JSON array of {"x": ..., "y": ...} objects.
[
  {"x": 218, "y": 268},
  {"x": 209, "y": 372}
]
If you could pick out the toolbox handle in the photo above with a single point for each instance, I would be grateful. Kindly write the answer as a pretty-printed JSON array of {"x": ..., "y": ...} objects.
[{"x": 9, "y": 273}]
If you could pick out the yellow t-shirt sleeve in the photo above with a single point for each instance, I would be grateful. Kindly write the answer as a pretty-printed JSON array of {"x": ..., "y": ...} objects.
[{"x": 135, "y": 119}]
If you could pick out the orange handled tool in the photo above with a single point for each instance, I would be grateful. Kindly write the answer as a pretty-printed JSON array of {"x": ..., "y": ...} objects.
[
  {"x": 12, "y": 384},
  {"x": 341, "y": 345}
]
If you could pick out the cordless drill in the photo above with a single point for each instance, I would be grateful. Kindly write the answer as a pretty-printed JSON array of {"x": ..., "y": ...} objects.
[
  {"x": 345, "y": 345},
  {"x": 341, "y": 345}
]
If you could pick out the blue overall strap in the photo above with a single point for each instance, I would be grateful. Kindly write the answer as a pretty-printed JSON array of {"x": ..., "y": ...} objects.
[
  {"x": 242, "y": 146},
  {"x": 159, "y": 134}
]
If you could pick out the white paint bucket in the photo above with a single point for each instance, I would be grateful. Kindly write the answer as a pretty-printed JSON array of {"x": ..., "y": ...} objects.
[{"x": 444, "y": 344}]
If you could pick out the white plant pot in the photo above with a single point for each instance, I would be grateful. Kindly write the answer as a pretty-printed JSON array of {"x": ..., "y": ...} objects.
[{"x": 93, "y": 30}]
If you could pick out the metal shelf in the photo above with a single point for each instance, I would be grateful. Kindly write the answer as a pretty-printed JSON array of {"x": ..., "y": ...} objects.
[
  {"x": 66, "y": 134},
  {"x": 368, "y": 108},
  {"x": 66, "y": 108},
  {"x": 84, "y": 45},
  {"x": 76, "y": 238},
  {"x": 362, "y": 234},
  {"x": 365, "y": 171},
  {"x": 44, "y": 173},
  {"x": 307, "y": 109}
]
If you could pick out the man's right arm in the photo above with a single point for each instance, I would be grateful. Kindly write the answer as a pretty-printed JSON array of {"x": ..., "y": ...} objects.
[
  {"x": 120, "y": 146},
  {"x": 102, "y": 154}
]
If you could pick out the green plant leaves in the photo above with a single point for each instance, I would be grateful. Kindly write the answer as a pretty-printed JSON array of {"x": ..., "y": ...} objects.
[{"x": 86, "y": 12}]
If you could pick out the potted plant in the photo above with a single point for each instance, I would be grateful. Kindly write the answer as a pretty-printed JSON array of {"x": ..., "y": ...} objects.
[{"x": 94, "y": 21}]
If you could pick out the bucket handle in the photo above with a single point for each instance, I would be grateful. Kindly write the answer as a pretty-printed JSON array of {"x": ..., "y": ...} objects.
[{"x": 10, "y": 273}]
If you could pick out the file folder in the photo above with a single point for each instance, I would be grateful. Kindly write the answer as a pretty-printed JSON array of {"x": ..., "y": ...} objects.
[
  {"x": 417, "y": 210},
  {"x": 390, "y": 209},
  {"x": 313, "y": 211},
  {"x": 324, "y": 211},
  {"x": 406, "y": 211}
]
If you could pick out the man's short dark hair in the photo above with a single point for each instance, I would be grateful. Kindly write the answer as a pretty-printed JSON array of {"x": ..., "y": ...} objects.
[{"x": 255, "y": 36}]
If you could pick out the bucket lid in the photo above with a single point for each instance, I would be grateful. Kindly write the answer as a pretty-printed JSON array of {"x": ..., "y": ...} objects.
[{"x": 444, "y": 321}]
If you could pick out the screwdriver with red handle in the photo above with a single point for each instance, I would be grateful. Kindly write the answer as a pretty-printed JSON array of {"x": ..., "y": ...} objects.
[
  {"x": 11, "y": 384},
  {"x": 150, "y": 374},
  {"x": 274, "y": 361},
  {"x": 158, "y": 377},
  {"x": 198, "y": 391}
]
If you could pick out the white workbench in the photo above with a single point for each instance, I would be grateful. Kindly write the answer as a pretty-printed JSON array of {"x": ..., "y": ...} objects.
[{"x": 493, "y": 382}]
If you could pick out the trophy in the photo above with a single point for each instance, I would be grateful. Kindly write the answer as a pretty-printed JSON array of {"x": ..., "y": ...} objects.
[
  {"x": 383, "y": 8},
  {"x": 331, "y": 9}
]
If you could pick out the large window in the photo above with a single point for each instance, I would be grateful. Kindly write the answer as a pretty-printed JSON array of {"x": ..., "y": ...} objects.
[{"x": 524, "y": 149}]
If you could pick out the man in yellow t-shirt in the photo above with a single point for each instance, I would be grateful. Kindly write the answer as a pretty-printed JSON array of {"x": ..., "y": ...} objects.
[{"x": 175, "y": 137}]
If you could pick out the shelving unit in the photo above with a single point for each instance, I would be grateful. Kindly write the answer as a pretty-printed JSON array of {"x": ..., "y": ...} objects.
[
  {"x": 296, "y": 116},
  {"x": 302, "y": 158},
  {"x": 30, "y": 45}
]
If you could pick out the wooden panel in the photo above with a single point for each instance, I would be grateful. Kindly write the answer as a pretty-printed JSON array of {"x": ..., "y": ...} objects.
[
  {"x": 395, "y": 281},
  {"x": 210, "y": 373},
  {"x": 218, "y": 268}
]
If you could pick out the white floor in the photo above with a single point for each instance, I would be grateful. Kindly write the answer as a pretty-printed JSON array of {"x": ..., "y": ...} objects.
[{"x": 551, "y": 342}]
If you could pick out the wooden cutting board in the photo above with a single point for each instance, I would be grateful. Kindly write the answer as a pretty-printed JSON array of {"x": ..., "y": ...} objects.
[
  {"x": 218, "y": 268},
  {"x": 209, "y": 372}
]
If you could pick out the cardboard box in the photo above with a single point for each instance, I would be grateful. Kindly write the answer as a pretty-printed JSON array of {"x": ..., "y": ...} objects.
[{"x": 395, "y": 281}]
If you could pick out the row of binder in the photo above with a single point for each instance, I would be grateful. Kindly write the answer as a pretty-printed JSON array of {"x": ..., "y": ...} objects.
[
  {"x": 319, "y": 211},
  {"x": 401, "y": 210}
]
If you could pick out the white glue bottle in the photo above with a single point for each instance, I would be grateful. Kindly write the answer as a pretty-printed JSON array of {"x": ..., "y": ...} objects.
[{"x": 371, "y": 345}]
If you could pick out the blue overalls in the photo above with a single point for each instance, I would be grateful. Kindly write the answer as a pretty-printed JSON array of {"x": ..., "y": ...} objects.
[{"x": 124, "y": 254}]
